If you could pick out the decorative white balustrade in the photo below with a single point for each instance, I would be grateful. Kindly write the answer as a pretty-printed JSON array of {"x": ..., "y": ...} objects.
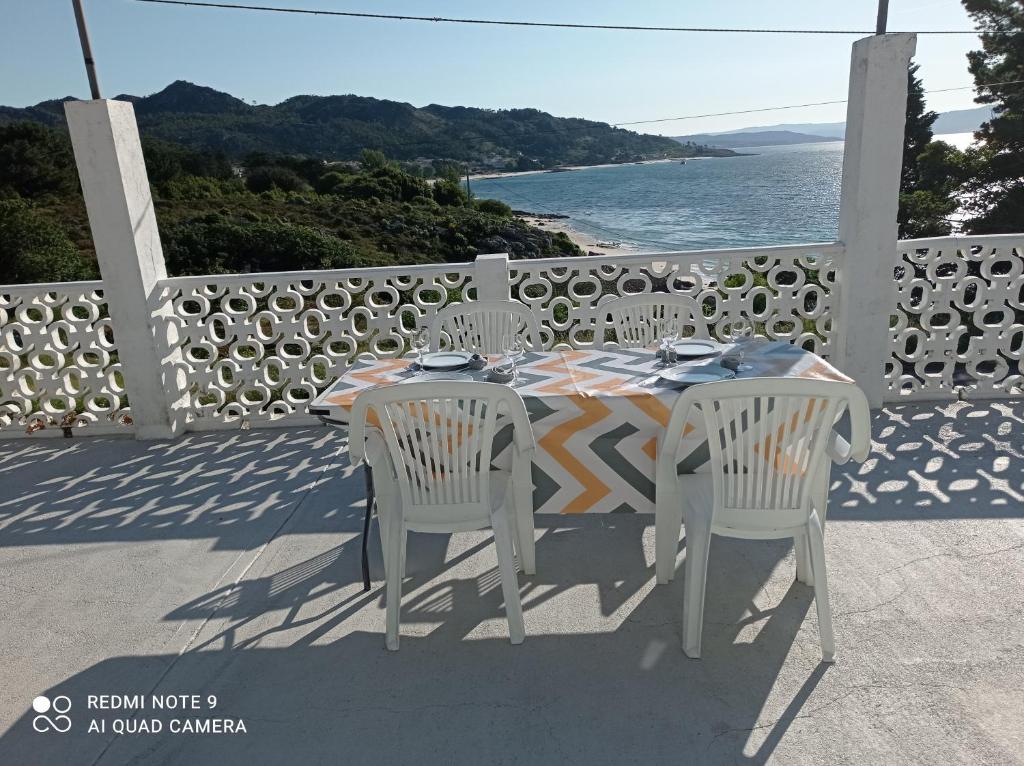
[
  {"x": 255, "y": 348},
  {"x": 58, "y": 360},
  {"x": 786, "y": 290},
  {"x": 958, "y": 321},
  {"x": 259, "y": 347}
]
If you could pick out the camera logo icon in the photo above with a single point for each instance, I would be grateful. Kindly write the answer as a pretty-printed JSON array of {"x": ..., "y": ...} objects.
[{"x": 59, "y": 705}]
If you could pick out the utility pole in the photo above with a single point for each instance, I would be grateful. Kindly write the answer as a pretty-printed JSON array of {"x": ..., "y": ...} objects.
[
  {"x": 90, "y": 65},
  {"x": 883, "y": 17}
]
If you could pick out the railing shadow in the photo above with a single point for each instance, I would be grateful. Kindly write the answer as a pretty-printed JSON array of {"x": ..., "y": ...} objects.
[
  {"x": 232, "y": 487},
  {"x": 937, "y": 461}
]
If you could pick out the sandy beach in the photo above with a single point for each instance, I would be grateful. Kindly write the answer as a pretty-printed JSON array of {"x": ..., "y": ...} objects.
[
  {"x": 587, "y": 243},
  {"x": 568, "y": 168}
]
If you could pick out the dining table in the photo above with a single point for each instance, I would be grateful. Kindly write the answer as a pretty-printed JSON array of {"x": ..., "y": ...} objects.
[{"x": 596, "y": 414}]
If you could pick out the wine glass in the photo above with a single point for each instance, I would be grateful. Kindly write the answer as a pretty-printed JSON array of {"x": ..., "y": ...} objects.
[
  {"x": 420, "y": 341},
  {"x": 514, "y": 350},
  {"x": 740, "y": 331},
  {"x": 670, "y": 334}
]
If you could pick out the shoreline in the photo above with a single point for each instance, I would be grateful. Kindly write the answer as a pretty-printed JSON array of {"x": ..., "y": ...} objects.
[
  {"x": 588, "y": 243},
  {"x": 567, "y": 168}
]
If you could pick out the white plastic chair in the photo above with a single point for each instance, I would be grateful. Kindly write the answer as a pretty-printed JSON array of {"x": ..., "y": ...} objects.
[
  {"x": 640, "y": 320},
  {"x": 430, "y": 447},
  {"x": 769, "y": 442},
  {"x": 481, "y": 326}
]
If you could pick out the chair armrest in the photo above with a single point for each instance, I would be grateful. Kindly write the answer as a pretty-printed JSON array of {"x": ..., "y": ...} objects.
[{"x": 838, "y": 448}]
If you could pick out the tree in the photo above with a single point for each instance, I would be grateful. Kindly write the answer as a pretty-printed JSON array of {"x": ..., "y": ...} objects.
[
  {"x": 931, "y": 174},
  {"x": 274, "y": 177},
  {"x": 996, "y": 194},
  {"x": 34, "y": 249},
  {"x": 918, "y": 133},
  {"x": 371, "y": 159},
  {"x": 215, "y": 244},
  {"x": 36, "y": 161}
]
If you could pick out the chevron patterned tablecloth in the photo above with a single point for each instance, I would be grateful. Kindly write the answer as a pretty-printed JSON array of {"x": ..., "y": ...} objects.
[{"x": 596, "y": 415}]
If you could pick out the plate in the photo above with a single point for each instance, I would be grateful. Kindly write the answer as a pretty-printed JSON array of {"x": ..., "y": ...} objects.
[
  {"x": 446, "y": 360},
  {"x": 691, "y": 376},
  {"x": 426, "y": 377},
  {"x": 694, "y": 348}
]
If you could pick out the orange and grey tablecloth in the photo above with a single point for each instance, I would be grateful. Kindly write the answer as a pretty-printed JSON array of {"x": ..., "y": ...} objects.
[{"x": 596, "y": 416}]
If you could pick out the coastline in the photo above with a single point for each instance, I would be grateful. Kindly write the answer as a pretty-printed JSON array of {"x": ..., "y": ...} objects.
[
  {"x": 567, "y": 168},
  {"x": 588, "y": 243}
]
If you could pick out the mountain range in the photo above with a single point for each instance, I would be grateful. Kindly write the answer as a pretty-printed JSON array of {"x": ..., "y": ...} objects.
[
  {"x": 755, "y": 138},
  {"x": 956, "y": 121},
  {"x": 340, "y": 127}
]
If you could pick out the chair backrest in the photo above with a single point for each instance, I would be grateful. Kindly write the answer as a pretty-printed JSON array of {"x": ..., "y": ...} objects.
[
  {"x": 439, "y": 439},
  {"x": 767, "y": 439},
  {"x": 640, "y": 320},
  {"x": 480, "y": 326}
]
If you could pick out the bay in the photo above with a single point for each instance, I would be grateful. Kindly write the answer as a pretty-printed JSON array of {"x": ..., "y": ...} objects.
[{"x": 777, "y": 195}]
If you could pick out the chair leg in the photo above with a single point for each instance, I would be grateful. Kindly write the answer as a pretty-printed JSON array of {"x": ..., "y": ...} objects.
[
  {"x": 803, "y": 560},
  {"x": 698, "y": 546},
  {"x": 404, "y": 537},
  {"x": 522, "y": 502},
  {"x": 816, "y": 541},
  {"x": 502, "y": 526},
  {"x": 382, "y": 525},
  {"x": 395, "y": 544},
  {"x": 668, "y": 520}
]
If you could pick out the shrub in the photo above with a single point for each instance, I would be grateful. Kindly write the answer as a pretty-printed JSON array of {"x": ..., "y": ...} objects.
[
  {"x": 215, "y": 244},
  {"x": 267, "y": 178},
  {"x": 35, "y": 249},
  {"x": 494, "y": 207}
]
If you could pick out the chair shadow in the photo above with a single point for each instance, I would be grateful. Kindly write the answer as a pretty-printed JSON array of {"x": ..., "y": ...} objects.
[{"x": 637, "y": 652}]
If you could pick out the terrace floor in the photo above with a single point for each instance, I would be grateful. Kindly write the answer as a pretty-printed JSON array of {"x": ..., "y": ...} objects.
[{"x": 228, "y": 564}]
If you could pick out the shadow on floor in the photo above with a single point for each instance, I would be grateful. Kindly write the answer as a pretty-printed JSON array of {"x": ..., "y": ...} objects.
[
  {"x": 231, "y": 487},
  {"x": 310, "y": 688}
]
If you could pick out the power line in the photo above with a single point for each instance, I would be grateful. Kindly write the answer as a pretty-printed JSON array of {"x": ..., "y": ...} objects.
[
  {"x": 593, "y": 124},
  {"x": 798, "y": 106},
  {"x": 724, "y": 114},
  {"x": 545, "y": 24}
]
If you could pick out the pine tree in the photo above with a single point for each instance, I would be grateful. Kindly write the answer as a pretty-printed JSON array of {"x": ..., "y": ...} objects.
[
  {"x": 931, "y": 173},
  {"x": 997, "y": 193},
  {"x": 918, "y": 133}
]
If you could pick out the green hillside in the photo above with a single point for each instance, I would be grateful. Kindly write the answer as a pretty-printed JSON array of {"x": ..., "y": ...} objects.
[{"x": 340, "y": 127}]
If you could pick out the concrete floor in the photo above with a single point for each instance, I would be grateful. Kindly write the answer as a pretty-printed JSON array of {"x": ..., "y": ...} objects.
[{"x": 227, "y": 564}]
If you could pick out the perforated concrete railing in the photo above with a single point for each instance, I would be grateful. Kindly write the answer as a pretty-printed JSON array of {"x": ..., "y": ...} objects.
[
  {"x": 256, "y": 348},
  {"x": 259, "y": 347},
  {"x": 958, "y": 326},
  {"x": 58, "y": 361},
  {"x": 788, "y": 292}
]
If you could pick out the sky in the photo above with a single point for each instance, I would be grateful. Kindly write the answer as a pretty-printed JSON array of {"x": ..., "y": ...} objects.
[{"x": 610, "y": 76}]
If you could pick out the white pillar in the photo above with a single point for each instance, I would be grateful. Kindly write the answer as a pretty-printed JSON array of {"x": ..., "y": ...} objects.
[
  {"x": 875, "y": 121},
  {"x": 492, "y": 277},
  {"x": 115, "y": 185}
]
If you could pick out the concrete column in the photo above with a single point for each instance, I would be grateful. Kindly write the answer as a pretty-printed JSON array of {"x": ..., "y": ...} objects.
[
  {"x": 492, "y": 277},
  {"x": 115, "y": 185},
  {"x": 873, "y": 155}
]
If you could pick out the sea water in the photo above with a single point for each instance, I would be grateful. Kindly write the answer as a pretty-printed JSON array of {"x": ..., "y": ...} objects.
[{"x": 776, "y": 195}]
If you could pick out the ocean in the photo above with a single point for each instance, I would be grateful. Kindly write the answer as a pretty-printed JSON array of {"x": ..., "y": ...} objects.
[{"x": 776, "y": 195}]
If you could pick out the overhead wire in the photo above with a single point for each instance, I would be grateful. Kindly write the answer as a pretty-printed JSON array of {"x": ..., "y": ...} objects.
[{"x": 548, "y": 24}]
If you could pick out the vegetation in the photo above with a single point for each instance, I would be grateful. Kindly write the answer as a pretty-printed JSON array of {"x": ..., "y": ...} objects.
[
  {"x": 340, "y": 127},
  {"x": 32, "y": 249},
  {"x": 270, "y": 213},
  {"x": 995, "y": 191},
  {"x": 932, "y": 172}
]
